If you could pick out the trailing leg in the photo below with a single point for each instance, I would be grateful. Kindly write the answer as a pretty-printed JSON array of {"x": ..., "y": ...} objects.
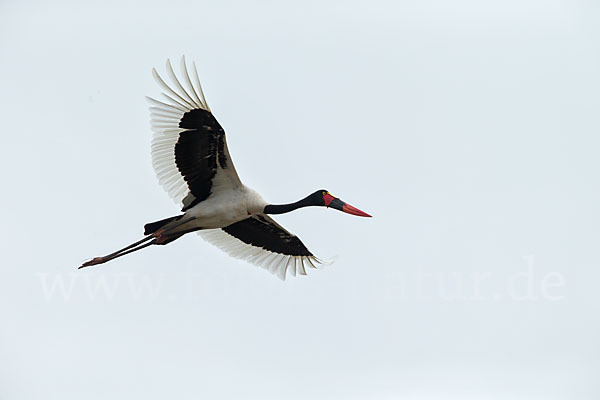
[{"x": 140, "y": 244}]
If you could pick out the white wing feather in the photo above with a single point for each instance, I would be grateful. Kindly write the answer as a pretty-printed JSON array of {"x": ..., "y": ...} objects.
[
  {"x": 164, "y": 118},
  {"x": 275, "y": 263}
]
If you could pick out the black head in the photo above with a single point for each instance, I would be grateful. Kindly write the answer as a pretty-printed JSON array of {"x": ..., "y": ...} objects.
[
  {"x": 323, "y": 198},
  {"x": 317, "y": 198},
  {"x": 320, "y": 198}
]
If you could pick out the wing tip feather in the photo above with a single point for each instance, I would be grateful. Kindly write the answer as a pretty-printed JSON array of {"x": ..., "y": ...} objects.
[{"x": 275, "y": 263}]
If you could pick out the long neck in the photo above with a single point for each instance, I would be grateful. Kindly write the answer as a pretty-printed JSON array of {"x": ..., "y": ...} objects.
[{"x": 285, "y": 208}]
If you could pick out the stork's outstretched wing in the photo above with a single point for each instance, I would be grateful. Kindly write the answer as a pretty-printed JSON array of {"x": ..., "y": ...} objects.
[
  {"x": 263, "y": 242},
  {"x": 189, "y": 150}
]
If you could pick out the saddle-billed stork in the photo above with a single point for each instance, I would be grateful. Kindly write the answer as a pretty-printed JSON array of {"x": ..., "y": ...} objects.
[{"x": 192, "y": 163}]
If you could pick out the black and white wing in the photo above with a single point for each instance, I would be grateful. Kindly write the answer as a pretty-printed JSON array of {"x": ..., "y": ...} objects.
[
  {"x": 189, "y": 150},
  {"x": 263, "y": 242}
]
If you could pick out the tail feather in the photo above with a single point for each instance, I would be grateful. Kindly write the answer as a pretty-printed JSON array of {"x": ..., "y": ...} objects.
[{"x": 152, "y": 227}]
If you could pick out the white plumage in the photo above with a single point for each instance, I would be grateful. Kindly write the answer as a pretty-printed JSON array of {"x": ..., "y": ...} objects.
[
  {"x": 193, "y": 164},
  {"x": 231, "y": 201}
]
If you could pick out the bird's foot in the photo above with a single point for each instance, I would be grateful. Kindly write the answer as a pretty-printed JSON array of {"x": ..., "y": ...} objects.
[{"x": 93, "y": 261}]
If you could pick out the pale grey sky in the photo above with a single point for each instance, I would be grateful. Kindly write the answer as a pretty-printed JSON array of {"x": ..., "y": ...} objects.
[{"x": 468, "y": 129}]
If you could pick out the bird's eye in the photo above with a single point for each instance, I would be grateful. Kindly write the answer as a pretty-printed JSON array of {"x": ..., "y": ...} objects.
[{"x": 324, "y": 193}]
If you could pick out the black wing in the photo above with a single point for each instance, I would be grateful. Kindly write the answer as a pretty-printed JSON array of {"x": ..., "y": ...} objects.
[
  {"x": 263, "y": 232},
  {"x": 189, "y": 150},
  {"x": 199, "y": 152},
  {"x": 263, "y": 242}
]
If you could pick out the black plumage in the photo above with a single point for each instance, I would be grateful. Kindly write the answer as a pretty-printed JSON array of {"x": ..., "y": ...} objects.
[
  {"x": 262, "y": 232},
  {"x": 197, "y": 152}
]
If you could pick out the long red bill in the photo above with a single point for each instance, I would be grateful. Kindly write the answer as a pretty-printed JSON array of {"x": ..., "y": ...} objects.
[{"x": 347, "y": 208}]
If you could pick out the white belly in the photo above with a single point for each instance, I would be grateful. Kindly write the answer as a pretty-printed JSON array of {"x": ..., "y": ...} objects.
[
  {"x": 219, "y": 211},
  {"x": 222, "y": 209}
]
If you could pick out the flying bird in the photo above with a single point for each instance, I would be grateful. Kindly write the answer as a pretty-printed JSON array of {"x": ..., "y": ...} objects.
[{"x": 192, "y": 163}]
